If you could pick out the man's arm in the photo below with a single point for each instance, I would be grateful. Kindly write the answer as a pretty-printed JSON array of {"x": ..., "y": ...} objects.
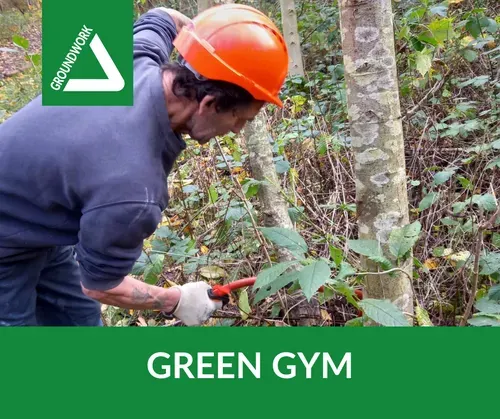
[
  {"x": 154, "y": 33},
  {"x": 134, "y": 294}
]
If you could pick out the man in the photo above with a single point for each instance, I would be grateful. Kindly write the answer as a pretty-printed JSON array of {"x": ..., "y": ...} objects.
[{"x": 82, "y": 187}]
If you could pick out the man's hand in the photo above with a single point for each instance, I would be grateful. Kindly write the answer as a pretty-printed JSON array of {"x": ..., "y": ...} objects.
[
  {"x": 195, "y": 306},
  {"x": 179, "y": 19},
  {"x": 189, "y": 302}
]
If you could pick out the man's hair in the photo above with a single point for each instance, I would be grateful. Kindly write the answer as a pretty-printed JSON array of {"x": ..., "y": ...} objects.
[{"x": 186, "y": 84}]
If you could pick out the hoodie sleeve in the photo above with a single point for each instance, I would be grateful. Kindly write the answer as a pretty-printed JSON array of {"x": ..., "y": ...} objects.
[
  {"x": 154, "y": 33},
  {"x": 111, "y": 239}
]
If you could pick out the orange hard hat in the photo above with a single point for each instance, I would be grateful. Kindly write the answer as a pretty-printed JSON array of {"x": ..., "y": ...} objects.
[{"x": 237, "y": 44}]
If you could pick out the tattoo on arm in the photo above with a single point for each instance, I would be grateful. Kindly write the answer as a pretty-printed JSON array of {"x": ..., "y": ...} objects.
[{"x": 141, "y": 296}]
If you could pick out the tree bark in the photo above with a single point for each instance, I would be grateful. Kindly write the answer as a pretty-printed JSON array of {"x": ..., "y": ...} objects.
[
  {"x": 273, "y": 207},
  {"x": 291, "y": 34},
  {"x": 377, "y": 137},
  {"x": 204, "y": 5}
]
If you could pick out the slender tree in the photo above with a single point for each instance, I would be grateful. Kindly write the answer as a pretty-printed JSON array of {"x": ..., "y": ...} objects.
[
  {"x": 291, "y": 34},
  {"x": 377, "y": 137}
]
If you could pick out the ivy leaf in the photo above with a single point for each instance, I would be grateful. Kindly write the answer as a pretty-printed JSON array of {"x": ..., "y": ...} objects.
[
  {"x": 286, "y": 238},
  {"x": 312, "y": 277},
  {"x": 428, "y": 200},
  {"x": 383, "y": 312},
  {"x": 402, "y": 240}
]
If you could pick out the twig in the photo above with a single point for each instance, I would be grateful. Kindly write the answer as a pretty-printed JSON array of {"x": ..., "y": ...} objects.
[
  {"x": 434, "y": 89},
  {"x": 237, "y": 184}
]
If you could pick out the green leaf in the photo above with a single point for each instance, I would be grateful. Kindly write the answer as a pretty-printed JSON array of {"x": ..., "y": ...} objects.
[
  {"x": 486, "y": 202},
  {"x": 383, "y": 312},
  {"x": 356, "y": 322},
  {"x": 428, "y": 200},
  {"x": 493, "y": 164},
  {"x": 278, "y": 283},
  {"x": 442, "y": 177},
  {"x": 438, "y": 251},
  {"x": 336, "y": 254},
  {"x": 440, "y": 10},
  {"x": 480, "y": 320},
  {"x": 243, "y": 305},
  {"x": 383, "y": 262},
  {"x": 485, "y": 305},
  {"x": 473, "y": 27},
  {"x": 402, "y": 240},
  {"x": 36, "y": 58},
  {"x": 494, "y": 293},
  {"x": 365, "y": 247},
  {"x": 458, "y": 207},
  {"x": 422, "y": 316},
  {"x": 286, "y": 238},
  {"x": 21, "y": 42},
  {"x": 251, "y": 187},
  {"x": 268, "y": 275},
  {"x": 495, "y": 240},
  {"x": 154, "y": 269},
  {"x": 345, "y": 271},
  {"x": 423, "y": 61},
  {"x": 470, "y": 55},
  {"x": 489, "y": 263},
  {"x": 488, "y": 24},
  {"x": 312, "y": 277},
  {"x": 212, "y": 272},
  {"x": 442, "y": 30},
  {"x": 282, "y": 166},
  {"x": 212, "y": 193}
]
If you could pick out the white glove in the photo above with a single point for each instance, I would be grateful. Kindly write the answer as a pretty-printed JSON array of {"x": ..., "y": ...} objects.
[{"x": 195, "y": 306}]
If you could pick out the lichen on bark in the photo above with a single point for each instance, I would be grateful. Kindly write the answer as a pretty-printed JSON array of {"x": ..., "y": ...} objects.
[{"x": 377, "y": 136}]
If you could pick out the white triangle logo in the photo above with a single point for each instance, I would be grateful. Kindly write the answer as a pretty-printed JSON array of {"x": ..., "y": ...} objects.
[{"x": 114, "y": 81}]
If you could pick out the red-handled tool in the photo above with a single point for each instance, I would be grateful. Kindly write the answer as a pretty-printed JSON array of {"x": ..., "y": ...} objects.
[{"x": 222, "y": 292}]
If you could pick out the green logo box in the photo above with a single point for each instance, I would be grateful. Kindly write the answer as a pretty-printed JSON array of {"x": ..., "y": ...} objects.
[{"x": 87, "y": 52}]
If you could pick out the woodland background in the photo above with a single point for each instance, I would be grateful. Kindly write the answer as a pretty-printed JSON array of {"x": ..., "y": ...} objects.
[{"x": 447, "y": 57}]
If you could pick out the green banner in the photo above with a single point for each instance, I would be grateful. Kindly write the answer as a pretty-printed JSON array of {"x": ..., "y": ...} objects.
[
  {"x": 87, "y": 50},
  {"x": 248, "y": 372}
]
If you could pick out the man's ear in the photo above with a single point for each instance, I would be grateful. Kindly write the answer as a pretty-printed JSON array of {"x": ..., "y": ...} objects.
[{"x": 207, "y": 104}]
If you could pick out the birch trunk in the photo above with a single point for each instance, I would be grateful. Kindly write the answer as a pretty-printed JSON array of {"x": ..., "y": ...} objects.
[
  {"x": 377, "y": 136},
  {"x": 291, "y": 34}
]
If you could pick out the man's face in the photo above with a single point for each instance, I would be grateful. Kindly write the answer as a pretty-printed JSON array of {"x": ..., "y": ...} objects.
[{"x": 207, "y": 123}]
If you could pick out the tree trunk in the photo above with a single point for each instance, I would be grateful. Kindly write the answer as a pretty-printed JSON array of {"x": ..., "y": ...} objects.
[
  {"x": 273, "y": 207},
  {"x": 377, "y": 137},
  {"x": 204, "y": 5},
  {"x": 291, "y": 34}
]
